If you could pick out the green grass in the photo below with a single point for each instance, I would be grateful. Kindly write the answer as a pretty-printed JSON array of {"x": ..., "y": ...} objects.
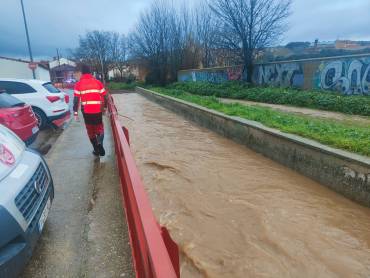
[
  {"x": 350, "y": 137},
  {"x": 329, "y": 101},
  {"x": 122, "y": 86}
]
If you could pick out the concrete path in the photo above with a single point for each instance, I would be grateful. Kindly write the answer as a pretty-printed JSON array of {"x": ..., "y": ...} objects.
[
  {"x": 306, "y": 111},
  {"x": 86, "y": 233}
]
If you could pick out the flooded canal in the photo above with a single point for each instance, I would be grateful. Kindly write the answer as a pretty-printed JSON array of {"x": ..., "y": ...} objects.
[{"x": 235, "y": 213}]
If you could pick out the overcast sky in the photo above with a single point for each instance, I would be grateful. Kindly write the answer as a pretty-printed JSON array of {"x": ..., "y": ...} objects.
[{"x": 58, "y": 23}]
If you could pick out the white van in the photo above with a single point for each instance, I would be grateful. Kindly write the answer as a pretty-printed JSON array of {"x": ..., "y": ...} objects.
[{"x": 26, "y": 195}]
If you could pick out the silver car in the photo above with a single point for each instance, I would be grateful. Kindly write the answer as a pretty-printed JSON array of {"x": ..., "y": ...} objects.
[{"x": 26, "y": 195}]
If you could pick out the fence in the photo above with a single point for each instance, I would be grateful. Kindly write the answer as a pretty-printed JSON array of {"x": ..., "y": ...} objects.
[
  {"x": 347, "y": 74},
  {"x": 153, "y": 251}
]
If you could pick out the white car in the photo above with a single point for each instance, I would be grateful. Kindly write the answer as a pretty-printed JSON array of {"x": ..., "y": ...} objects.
[{"x": 48, "y": 102}]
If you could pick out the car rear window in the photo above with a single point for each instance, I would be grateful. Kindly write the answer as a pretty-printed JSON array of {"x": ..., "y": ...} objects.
[
  {"x": 50, "y": 87},
  {"x": 13, "y": 87},
  {"x": 8, "y": 101}
]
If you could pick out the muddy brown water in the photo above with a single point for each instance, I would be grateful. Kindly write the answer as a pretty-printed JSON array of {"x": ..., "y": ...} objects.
[{"x": 235, "y": 213}]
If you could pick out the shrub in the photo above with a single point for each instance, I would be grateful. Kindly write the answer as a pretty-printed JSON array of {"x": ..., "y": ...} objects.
[
  {"x": 331, "y": 101},
  {"x": 122, "y": 86}
]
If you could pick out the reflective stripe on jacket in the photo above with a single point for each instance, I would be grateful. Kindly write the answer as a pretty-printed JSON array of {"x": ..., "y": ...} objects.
[{"x": 90, "y": 92}]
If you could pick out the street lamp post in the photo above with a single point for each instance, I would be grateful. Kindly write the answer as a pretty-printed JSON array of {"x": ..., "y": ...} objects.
[{"x": 28, "y": 39}]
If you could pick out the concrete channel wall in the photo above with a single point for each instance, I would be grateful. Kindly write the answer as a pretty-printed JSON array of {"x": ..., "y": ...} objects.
[
  {"x": 343, "y": 172},
  {"x": 347, "y": 74}
]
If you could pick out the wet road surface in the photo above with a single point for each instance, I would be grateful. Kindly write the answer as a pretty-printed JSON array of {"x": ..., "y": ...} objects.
[
  {"x": 86, "y": 233},
  {"x": 235, "y": 213}
]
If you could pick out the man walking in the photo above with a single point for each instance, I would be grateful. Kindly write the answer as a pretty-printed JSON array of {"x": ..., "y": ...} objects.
[{"x": 91, "y": 94}]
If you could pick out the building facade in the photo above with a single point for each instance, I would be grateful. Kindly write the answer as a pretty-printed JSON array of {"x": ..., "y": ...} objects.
[
  {"x": 63, "y": 71},
  {"x": 18, "y": 68}
]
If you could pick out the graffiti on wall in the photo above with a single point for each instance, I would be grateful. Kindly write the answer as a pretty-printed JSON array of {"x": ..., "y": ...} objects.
[
  {"x": 347, "y": 76},
  {"x": 213, "y": 75},
  {"x": 344, "y": 74},
  {"x": 285, "y": 75},
  {"x": 236, "y": 74}
]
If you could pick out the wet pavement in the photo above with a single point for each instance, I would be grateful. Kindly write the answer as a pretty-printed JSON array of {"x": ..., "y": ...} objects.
[
  {"x": 45, "y": 140},
  {"x": 235, "y": 213},
  {"x": 86, "y": 233}
]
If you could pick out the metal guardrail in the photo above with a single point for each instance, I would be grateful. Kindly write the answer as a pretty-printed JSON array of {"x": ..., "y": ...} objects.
[{"x": 154, "y": 253}]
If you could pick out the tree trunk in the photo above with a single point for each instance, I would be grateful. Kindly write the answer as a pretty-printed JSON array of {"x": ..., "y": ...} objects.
[
  {"x": 249, "y": 65},
  {"x": 249, "y": 68}
]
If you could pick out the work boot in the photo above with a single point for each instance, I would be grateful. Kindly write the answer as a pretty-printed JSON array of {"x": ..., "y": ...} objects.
[
  {"x": 94, "y": 142},
  {"x": 100, "y": 139}
]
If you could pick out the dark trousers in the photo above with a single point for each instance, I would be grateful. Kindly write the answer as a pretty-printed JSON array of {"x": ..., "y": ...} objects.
[{"x": 94, "y": 125}]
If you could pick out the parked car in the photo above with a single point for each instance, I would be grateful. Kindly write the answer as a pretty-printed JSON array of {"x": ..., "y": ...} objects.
[
  {"x": 19, "y": 117},
  {"x": 26, "y": 195},
  {"x": 48, "y": 102}
]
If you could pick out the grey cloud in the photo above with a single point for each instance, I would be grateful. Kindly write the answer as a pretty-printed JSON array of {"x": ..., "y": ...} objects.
[
  {"x": 55, "y": 24},
  {"x": 329, "y": 20},
  {"x": 58, "y": 23}
]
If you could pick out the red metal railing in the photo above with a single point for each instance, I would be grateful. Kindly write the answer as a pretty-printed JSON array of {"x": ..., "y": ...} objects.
[{"x": 154, "y": 253}]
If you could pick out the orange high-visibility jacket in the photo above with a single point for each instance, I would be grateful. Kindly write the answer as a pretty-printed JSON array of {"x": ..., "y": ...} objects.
[{"x": 90, "y": 92}]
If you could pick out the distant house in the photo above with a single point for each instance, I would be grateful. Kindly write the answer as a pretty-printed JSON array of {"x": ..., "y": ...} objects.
[
  {"x": 63, "y": 70},
  {"x": 134, "y": 69},
  {"x": 18, "y": 68},
  {"x": 351, "y": 45},
  {"x": 137, "y": 68},
  {"x": 324, "y": 44},
  {"x": 116, "y": 74},
  {"x": 62, "y": 61}
]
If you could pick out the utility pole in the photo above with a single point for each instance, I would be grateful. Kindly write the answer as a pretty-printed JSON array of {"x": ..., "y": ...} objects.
[
  {"x": 59, "y": 69},
  {"x": 28, "y": 39}
]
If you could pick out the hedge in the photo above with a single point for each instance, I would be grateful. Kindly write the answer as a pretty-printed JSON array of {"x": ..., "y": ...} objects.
[{"x": 330, "y": 101}]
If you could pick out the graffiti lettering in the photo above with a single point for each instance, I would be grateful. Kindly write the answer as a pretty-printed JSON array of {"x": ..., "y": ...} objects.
[
  {"x": 213, "y": 75},
  {"x": 289, "y": 74},
  {"x": 349, "y": 77}
]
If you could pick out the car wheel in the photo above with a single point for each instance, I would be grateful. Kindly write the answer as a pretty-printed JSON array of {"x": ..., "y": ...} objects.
[{"x": 41, "y": 117}]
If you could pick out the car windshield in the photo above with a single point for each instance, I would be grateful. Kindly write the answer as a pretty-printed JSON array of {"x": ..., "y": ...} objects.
[
  {"x": 50, "y": 87},
  {"x": 8, "y": 101}
]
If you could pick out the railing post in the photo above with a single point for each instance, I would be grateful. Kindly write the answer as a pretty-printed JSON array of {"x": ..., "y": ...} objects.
[{"x": 127, "y": 135}]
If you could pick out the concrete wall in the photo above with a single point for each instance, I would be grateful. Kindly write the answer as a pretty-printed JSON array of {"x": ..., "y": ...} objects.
[
  {"x": 347, "y": 74},
  {"x": 19, "y": 69},
  {"x": 42, "y": 74},
  {"x": 343, "y": 172}
]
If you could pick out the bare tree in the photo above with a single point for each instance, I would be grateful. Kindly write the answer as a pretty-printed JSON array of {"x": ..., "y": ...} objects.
[
  {"x": 205, "y": 34},
  {"x": 160, "y": 38},
  {"x": 95, "y": 48},
  {"x": 119, "y": 53},
  {"x": 250, "y": 25},
  {"x": 150, "y": 40}
]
